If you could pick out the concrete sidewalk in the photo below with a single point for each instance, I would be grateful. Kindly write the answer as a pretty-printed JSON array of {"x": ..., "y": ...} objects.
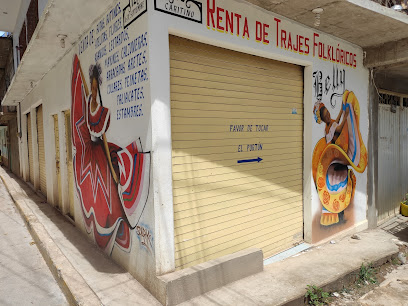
[
  {"x": 88, "y": 277},
  {"x": 329, "y": 266},
  {"x": 22, "y": 268}
]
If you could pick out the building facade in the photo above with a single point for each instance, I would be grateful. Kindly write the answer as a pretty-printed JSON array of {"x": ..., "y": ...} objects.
[
  {"x": 8, "y": 117},
  {"x": 177, "y": 132}
]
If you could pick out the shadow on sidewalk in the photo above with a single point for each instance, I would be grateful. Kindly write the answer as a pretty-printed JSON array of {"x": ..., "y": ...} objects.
[
  {"x": 402, "y": 235},
  {"x": 67, "y": 237},
  {"x": 399, "y": 228}
]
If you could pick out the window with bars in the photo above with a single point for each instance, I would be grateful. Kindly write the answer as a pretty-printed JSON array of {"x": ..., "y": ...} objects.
[
  {"x": 398, "y": 5},
  {"x": 393, "y": 101},
  {"x": 389, "y": 99}
]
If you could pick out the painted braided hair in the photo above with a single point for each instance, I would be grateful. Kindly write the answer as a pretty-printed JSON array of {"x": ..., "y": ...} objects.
[
  {"x": 95, "y": 72},
  {"x": 317, "y": 111}
]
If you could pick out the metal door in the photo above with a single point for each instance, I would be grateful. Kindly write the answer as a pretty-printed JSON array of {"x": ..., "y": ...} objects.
[
  {"x": 237, "y": 154},
  {"x": 392, "y": 162}
]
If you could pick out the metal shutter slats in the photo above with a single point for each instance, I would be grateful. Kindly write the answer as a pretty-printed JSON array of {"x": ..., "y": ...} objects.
[{"x": 220, "y": 206}]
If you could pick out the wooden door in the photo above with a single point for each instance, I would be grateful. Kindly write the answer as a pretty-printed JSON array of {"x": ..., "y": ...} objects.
[{"x": 30, "y": 149}]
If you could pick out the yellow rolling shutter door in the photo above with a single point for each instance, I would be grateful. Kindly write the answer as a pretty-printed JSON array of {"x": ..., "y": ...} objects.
[
  {"x": 41, "y": 151},
  {"x": 30, "y": 149},
  {"x": 229, "y": 110},
  {"x": 58, "y": 200},
  {"x": 69, "y": 161}
]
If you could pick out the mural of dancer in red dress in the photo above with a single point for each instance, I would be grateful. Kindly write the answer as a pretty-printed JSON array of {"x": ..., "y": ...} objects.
[{"x": 112, "y": 182}]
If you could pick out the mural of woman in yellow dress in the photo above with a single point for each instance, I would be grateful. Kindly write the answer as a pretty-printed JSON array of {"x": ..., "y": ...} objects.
[{"x": 336, "y": 155}]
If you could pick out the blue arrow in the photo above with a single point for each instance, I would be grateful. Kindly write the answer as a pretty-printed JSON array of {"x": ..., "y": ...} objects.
[{"x": 249, "y": 160}]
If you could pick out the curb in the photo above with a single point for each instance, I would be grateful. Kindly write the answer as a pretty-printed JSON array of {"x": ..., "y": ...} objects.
[
  {"x": 72, "y": 284},
  {"x": 340, "y": 282}
]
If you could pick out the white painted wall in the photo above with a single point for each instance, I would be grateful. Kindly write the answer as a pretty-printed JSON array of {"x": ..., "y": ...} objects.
[{"x": 163, "y": 24}]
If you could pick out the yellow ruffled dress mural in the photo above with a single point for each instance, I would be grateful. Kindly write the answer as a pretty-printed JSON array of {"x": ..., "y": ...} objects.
[{"x": 336, "y": 155}]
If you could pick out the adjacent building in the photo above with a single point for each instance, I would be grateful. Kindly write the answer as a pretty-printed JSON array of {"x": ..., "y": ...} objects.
[
  {"x": 173, "y": 133},
  {"x": 9, "y": 150}
]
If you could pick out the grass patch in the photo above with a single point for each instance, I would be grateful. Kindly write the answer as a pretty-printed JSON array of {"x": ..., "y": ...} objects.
[
  {"x": 396, "y": 262},
  {"x": 367, "y": 274},
  {"x": 316, "y": 296}
]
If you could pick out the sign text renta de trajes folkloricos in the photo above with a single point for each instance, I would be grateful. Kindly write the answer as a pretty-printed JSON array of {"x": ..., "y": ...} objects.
[{"x": 225, "y": 21}]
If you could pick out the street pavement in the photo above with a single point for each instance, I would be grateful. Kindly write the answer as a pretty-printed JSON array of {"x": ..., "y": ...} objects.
[{"x": 25, "y": 279}]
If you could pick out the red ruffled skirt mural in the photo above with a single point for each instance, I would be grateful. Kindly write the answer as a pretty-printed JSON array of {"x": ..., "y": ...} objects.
[{"x": 111, "y": 208}]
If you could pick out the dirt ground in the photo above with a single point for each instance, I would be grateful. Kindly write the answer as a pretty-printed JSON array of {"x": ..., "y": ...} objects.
[{"x": 389, "y": 285}]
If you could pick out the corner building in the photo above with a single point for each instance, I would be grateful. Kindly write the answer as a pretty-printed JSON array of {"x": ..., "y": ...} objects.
[{"x": 173, "y": 133}]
